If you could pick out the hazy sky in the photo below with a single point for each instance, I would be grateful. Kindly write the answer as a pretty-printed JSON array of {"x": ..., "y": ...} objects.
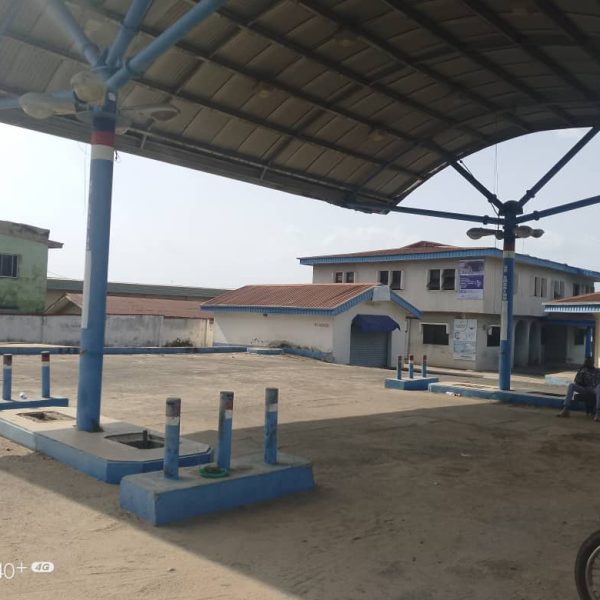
[{"x": 177, "y": 226}]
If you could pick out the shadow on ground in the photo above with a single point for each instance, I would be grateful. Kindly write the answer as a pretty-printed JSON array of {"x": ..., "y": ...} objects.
[{"x": 479, "y": 501}]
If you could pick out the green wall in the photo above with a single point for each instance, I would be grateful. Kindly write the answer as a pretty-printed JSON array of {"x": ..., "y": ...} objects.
[{"x": 26, "y": 293}]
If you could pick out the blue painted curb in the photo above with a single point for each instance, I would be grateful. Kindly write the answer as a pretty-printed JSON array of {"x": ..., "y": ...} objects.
[
  {"x": 324, "y": 356},
  {"x": 17, "y": 404},
  {"x": 268, "y": 351},
  {"x": 417, "y": 383},
  {"x": 530, "y": 399},
  {"x": 159, "y": 501}
]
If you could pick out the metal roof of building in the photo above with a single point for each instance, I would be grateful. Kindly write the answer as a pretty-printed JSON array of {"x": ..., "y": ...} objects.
[
  {"x": 126, "y": 305},
  {"x": 585, "y": 303},
  {"x": 346, "y": 101},
  {"x": 437, "y": 251},
  {"x": 138, "y": 289},
  {"x": 310, "y": 295}
]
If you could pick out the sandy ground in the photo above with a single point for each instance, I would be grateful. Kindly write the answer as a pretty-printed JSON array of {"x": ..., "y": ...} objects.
[{"x": 419, "y": 496}]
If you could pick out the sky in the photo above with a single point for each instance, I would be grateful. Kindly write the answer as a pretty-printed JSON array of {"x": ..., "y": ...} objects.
[{"x": 177, "y": 226}]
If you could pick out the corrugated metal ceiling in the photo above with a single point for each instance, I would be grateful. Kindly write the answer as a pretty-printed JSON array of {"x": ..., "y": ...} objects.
[{"x": 341, "y": 100}]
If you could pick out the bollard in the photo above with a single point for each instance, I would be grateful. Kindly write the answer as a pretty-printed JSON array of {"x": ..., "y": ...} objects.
[
  {"x": 399, "y": 367},
  {"x": 424, "y": 366},
  {"x": 45, "y": 374},
  {"x": 271, "y": 406},
  {"x": 7, "y": 377},
  {"x": 411, "y": 366},
  {"x": 225, "y": 426},
  {"x": 172, "y": 427}
]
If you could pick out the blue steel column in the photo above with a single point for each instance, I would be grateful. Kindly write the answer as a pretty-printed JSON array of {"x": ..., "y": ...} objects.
[
  {"x": 225, "y": 430},
  {"x": 45, "y": 374},
  {"x": 172, "y": 431},
  {"x": 506, "y": 314},
  {"x": 7, "y": 377},
  {"x": 588, "y": 342},
  {"x": 93, "y": 315},
  {"x": 271, "y": 406}
]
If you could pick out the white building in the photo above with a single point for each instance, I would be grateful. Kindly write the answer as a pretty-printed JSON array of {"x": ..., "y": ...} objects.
[
  {"x": 360, "y": 324},
  {"x": 458, "y": 290}
]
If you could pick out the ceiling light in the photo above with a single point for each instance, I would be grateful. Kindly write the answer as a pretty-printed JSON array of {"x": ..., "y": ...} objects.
[
  {"x": 89, "y": 87},
  {"x": 478, "y": 232},
  {"x": 43, "y": 106}
]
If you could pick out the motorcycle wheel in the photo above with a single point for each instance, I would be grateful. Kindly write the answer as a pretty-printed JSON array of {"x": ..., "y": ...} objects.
[{"x": 587, "y": 568}]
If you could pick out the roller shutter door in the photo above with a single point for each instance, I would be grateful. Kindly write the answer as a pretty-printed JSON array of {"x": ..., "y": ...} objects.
[{"x": 368, "y": 349}]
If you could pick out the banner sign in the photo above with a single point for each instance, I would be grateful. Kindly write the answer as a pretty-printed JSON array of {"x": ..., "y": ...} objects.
[
  {"x": 470, "y": 279},
  {"x": 464, "y": 339}
]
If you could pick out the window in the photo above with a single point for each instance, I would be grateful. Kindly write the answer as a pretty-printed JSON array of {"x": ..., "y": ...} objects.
[
  {"x": 558, "y": 289},
  {"x": 9, "y": 265},
  {"x": 396, "y": 280},
  {"x": 576, "y": 289},
  {"x": 350, "y": 277},
  {"x": 448, "y": 279},
  {"x": 579, "y": 337},
  {"x": 435, "y": 333},
  {"x": 433, "y": 281},
  {"x": 540, "y": 287},
  {"x": 338, "y": 277},
  {"x": 493, "y": 336},
  {"x": 383, "y": 277}
]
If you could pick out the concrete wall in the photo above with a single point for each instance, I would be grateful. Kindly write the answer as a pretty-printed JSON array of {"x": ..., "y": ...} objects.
[
  {"x": 256, "y": 329},
  {"x": 415, "y": 281},
  {"x": 318, "y": 334},
  {"x": 27, "y": 292},
  {"x": 130, "y": 330}
]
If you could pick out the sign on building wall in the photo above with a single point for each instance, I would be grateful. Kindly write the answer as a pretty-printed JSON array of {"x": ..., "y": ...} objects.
[
  {"x": 470, "y": 279},
  {"x": 464, "y": 339}
]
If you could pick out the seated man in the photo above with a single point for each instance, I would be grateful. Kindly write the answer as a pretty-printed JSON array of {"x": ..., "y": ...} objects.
[{"x": 587, "y": 381}]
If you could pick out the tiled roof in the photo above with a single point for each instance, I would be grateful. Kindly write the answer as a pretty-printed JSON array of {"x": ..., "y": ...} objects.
[
  {"x": 582, "y": 299},
  {"x": 416, "y": 248},
  {"x": 125, "y": 305},
  {"x": 312, "y": 295}
]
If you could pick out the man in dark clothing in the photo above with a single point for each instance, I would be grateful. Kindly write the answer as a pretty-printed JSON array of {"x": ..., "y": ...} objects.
[{"x": 587, "y": 381}]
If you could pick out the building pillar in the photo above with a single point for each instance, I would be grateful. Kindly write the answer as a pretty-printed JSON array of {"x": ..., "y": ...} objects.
[
  {"x": 93, "y": 316},
  {"x": 597, "y": 341}
]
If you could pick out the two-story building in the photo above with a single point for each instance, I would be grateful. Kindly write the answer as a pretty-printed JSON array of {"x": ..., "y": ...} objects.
[
  {"x": 23, "y": 267},
  {"x": 458, "y": 291}
]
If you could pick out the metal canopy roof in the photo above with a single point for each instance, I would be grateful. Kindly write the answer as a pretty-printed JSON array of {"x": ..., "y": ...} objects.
[{"x": 346, "y": 101}]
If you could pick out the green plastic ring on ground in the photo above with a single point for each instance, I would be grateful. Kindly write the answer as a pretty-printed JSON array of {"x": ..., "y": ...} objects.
[{"x": 213, "y": 472}]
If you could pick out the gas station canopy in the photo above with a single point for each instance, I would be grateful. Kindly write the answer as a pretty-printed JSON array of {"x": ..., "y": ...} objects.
[{"x": 347, "y": 101}]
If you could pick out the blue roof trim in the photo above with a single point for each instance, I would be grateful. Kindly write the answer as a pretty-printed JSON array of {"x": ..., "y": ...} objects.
[
  {"x": 407, "y": 306},
  {"x": 316, "y": 312},
  {"x": 333, "y": 260},
  {"x": 572, "y": 308},
  {"x": 491, "y": 252}
]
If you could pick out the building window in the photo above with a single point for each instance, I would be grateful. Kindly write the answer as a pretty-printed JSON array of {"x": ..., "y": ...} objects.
[
  {"x": 493, "y": 336},
  {"x": 576, "y": 289},
  {"x": 383, "y": 277},
  {"x": 338, "y": 277},
  {"x": 540, "y": 287},
  {"x": 9, "y": 265},
  {"x": 435, "y": 333},
  {"x": 396, "y": 280},
  {"x": 558, "y": 289},
  {"x": 448, "y": 279},
  {"x": 350, "y": 277},
  {"x": 579, "y": 337},
  {"x": 433, "y": 281}
]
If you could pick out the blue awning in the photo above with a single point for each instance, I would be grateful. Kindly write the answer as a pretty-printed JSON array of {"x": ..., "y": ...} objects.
[{"x": 369, "y": 323}]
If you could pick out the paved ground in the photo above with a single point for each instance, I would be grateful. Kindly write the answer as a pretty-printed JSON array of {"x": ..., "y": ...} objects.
[{"x": 419, "y": 497}]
